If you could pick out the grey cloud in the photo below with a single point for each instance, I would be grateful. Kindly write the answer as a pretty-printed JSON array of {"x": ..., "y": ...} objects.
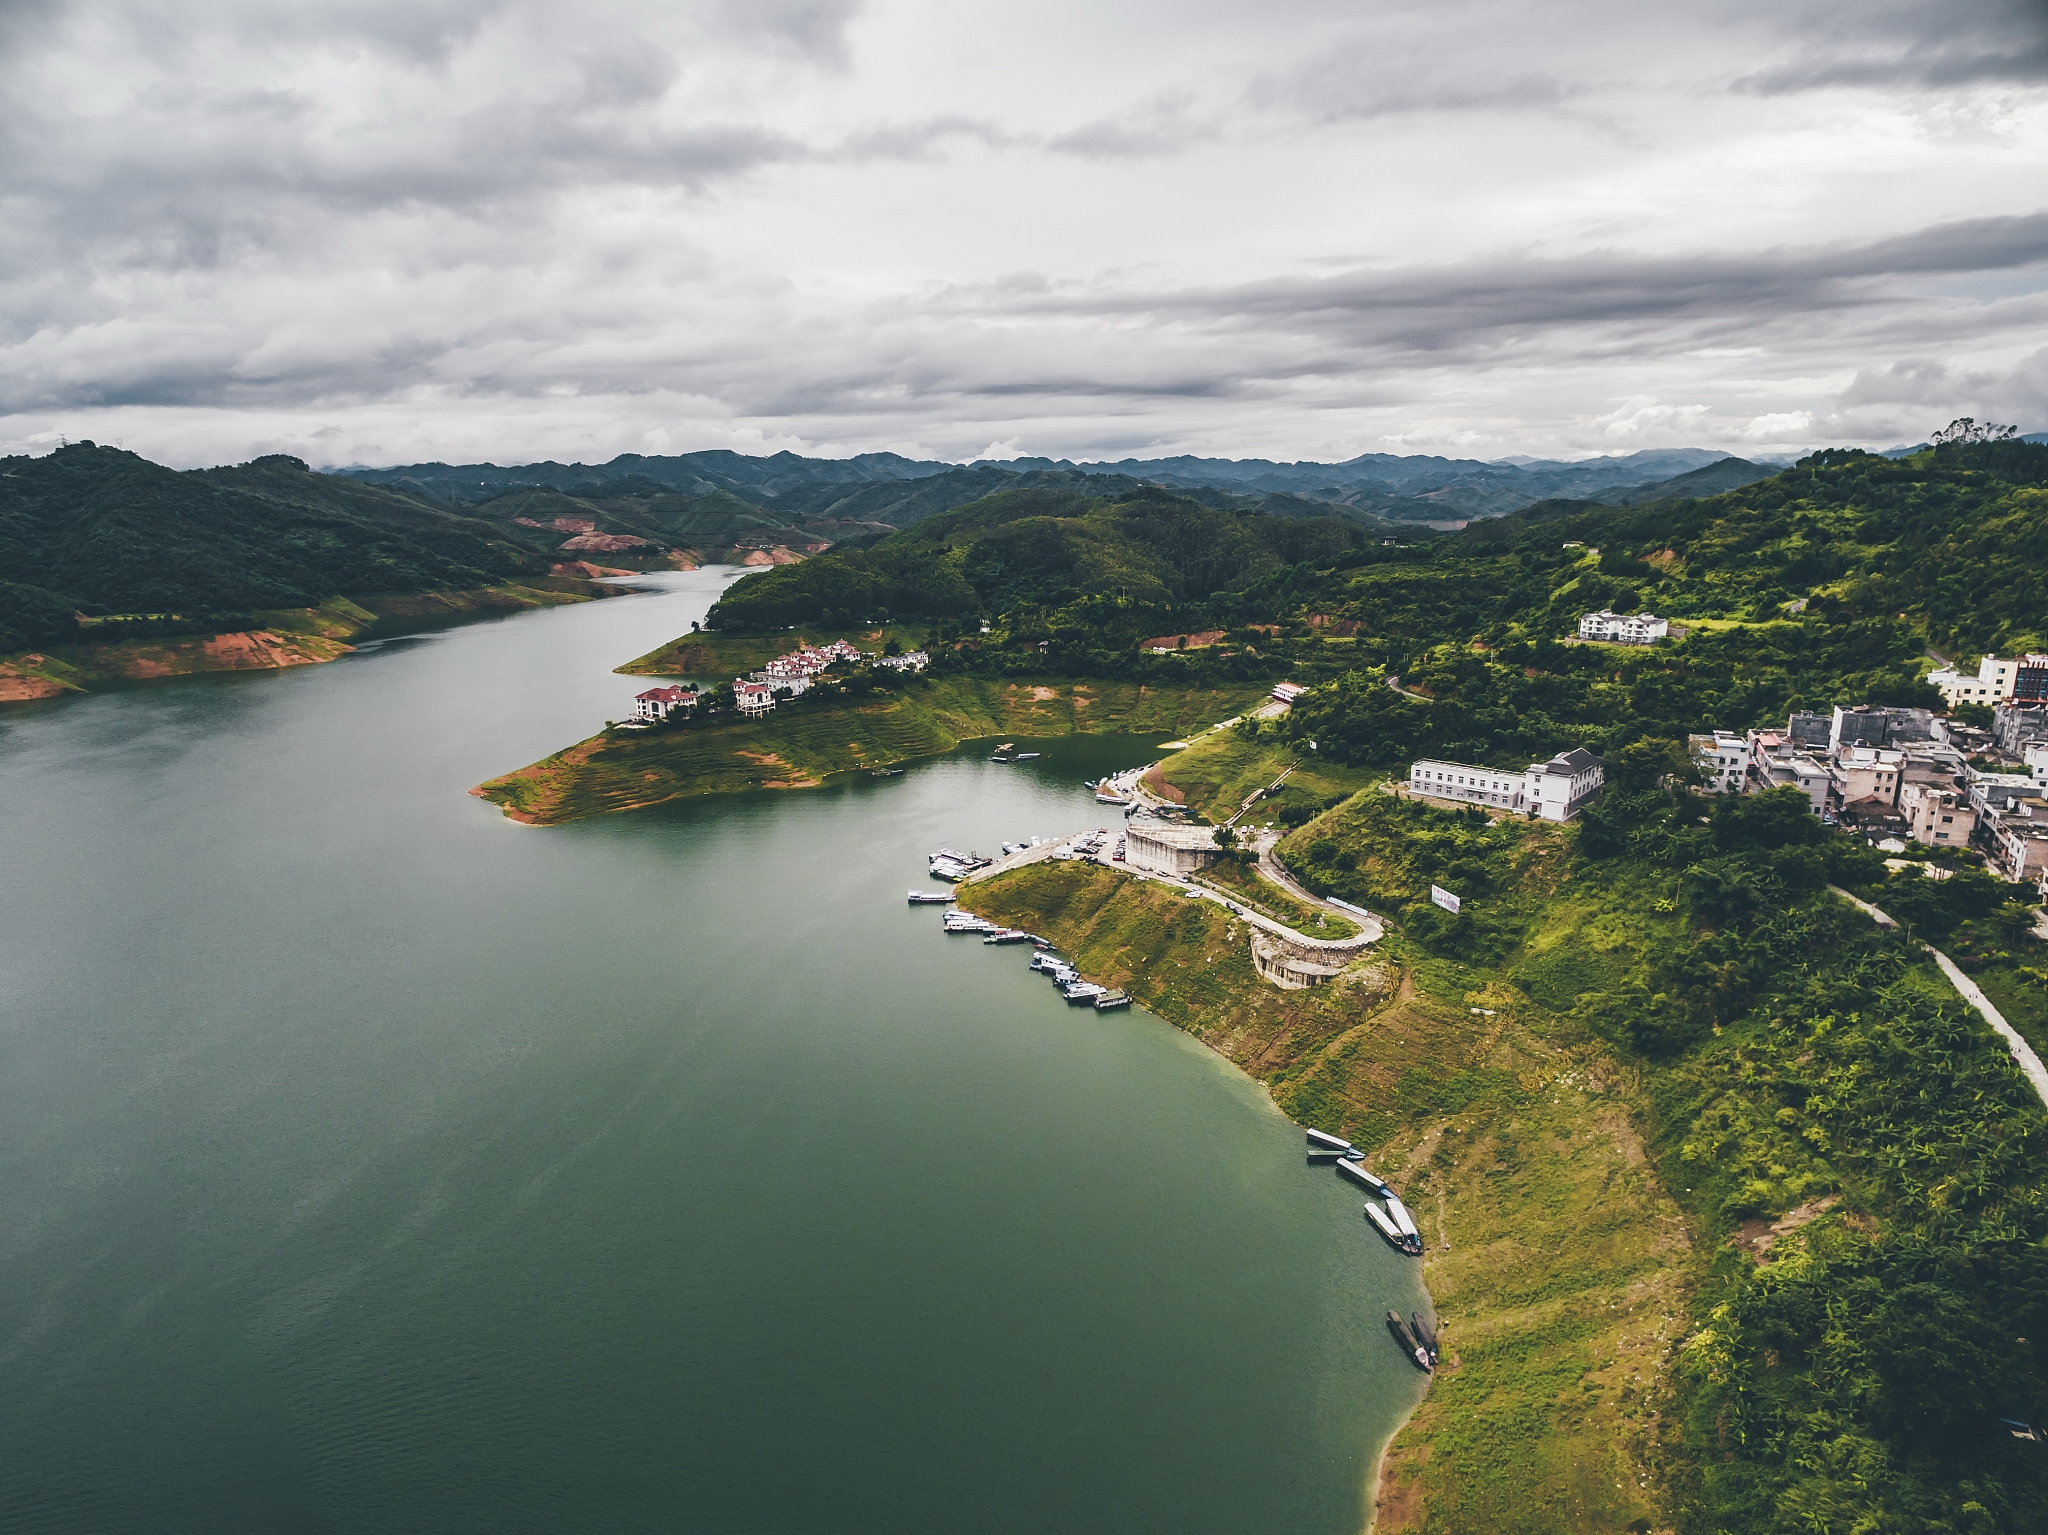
[
  {"x": 1918, "y": 381},
  {"x": 813, "y": 29},
  {"x": 1476, "y": 304},
  {"x": 1916, "y": 46},
  {"x": 916, "y": 140}
]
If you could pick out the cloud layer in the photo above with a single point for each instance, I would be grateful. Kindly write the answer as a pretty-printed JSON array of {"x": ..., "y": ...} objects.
[{"x": 465, "y": 229}]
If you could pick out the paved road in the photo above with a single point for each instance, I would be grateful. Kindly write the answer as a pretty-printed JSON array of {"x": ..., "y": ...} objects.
[{"x": 2022, "y": 1052}]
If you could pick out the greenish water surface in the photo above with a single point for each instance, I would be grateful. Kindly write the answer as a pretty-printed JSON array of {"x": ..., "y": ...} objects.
[{"x": 374, "y": 1164}]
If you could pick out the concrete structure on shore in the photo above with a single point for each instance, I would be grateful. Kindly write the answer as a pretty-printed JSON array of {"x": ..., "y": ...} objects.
[{"x": 1161, "y": 849}]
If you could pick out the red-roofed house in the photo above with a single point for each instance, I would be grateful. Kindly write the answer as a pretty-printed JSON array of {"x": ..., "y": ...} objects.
[{"x": 655, "y": 703}]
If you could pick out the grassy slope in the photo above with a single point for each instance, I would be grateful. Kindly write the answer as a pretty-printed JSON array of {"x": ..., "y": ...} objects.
[
  {"x": 286, "y": 637},
  {"x": 1215, "y": 774},
  {"x": 800, "y": 743},
  {"x": 1566, "y": 1263},
  {"x": 1245, "y": 885}
]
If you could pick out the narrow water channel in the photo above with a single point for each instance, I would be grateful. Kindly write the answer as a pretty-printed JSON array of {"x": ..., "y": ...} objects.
[{"x": 369, "y": 1163}]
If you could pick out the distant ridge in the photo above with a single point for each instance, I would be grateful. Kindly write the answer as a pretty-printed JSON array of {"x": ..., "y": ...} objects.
[{"x": 891, "y": 489}]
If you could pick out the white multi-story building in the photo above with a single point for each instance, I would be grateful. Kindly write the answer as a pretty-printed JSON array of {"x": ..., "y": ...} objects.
[
  {"x": 656, "y": 703},
  {"x": 1557, "y": 789},
  {"x": 2035, "y": 755},
  {"x": 910, "y": 661},
  {"x": 753, "y": 697},
  {"x": 1553, "y": 790},
  {"x": 1494, "y": 788},
  {"x": 1623, "y": 628},
  {"x": 1937, "y": 817},
  {"x": 1992, "y": 685},
  {"x": 1868, "y": 772},
  {"x": 1723, "y": 759}
]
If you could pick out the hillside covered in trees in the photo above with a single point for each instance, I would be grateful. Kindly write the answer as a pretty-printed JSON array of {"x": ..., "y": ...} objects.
[
  {"x": 1827, "y": 583},
  {"x": 107, "y": 534}
]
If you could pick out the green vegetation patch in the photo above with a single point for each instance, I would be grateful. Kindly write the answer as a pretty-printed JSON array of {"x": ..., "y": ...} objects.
[
  {"x": 1218, "y": 773},
  {"x": 1556, "y": 1263},
  {"x": 803, "y": 742}
]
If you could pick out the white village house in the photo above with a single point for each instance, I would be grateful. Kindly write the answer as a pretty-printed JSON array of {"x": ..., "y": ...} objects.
[
  {"x": 1552, "y": 791},
  {"x": 1623, "y": 628},
  {"x": 656, "y": 703}
]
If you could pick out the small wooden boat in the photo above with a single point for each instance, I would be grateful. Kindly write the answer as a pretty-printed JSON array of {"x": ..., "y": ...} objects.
[
  {"x": 1414, "y": 1350},
  {"x": 1425, "y": 1334}
]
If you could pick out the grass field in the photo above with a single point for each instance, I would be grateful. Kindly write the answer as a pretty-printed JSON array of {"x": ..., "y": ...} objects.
[
  {"x": 1559, "y": 1266},
  {"x": 1218, "y": 772},
  {"x": 800, "y": 744}
]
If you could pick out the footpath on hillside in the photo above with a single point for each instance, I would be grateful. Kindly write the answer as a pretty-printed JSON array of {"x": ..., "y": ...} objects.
[{"x": 2022, "y": 1053}]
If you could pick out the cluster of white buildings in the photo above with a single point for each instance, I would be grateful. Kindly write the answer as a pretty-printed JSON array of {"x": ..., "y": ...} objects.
[
  {"x": 788, "y": 676},
  {"x": 1999, "y": 680},
  {"x": 1623, "y": 628},
  {"x": 1900, "y": 774},
  {"x": 1549, "y": 791}
]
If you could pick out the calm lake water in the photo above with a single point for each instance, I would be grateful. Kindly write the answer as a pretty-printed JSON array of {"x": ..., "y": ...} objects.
[{"x": 374, "y": 1164}]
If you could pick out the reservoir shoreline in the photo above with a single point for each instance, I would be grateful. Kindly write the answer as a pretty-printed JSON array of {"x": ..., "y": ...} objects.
[{"x": 670, "y": 1161}]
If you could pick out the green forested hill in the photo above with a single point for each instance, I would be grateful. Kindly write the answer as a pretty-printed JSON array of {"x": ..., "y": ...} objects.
[
  {"x": 1827, "y": 583},
  {"x": 1075, "y": 563},
  {"x": 102, "y": 532}
]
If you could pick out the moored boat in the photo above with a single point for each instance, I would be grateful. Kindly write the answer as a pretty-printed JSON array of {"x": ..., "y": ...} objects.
[
  {"x": 1383, "y": 1223},
  {"x": 1323, "y": 1141},
  {"x": 1416, "y": 1353},
  {"x": 1008, "y": 935},
  {"x": 1425, "y": 1334},
  {"x": 1411, "y": 1238},
  {"x": 1027, "y": 756},
  {"x": 1111, "y": 1000},
  {"x": 1082, "y": 991},
  {"x": 930, "y": 898},
  {"x": 1362, "y": 1175}
]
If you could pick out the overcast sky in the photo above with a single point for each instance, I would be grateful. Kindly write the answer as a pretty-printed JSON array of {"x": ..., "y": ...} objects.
[{"x": 382, "y": 231}]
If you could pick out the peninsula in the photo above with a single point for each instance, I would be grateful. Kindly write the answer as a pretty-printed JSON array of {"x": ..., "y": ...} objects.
[
  {"x": 1732, "y": 1201},
  {"x": 114, "y": 568}
]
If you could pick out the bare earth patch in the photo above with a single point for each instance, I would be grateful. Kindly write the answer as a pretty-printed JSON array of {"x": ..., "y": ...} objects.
[
  {"x": 1756, "y": 1235},
  {"x": 19, "y": 687}
]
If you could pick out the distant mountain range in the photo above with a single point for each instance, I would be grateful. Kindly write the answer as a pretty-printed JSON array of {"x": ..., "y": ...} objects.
[{"x": 890, "y": 490}]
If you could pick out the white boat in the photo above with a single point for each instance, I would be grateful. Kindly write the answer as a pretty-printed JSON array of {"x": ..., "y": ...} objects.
[
  {"x": 930, "y": 898},
  {"x": 1045, "y": 961},
  {"x": 1110, "y": 799},
  {"x": 1399, "y": 1211},
  {"x": 1358, "y": 1174},
  {"x": 1385, "y": 1226},
  {"x": 1083, "y": 991},
  {"x": 1325, "y": 1142},
  {"x": 1013, "y": 847},
  {"x": 1026, "y": 756}
]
